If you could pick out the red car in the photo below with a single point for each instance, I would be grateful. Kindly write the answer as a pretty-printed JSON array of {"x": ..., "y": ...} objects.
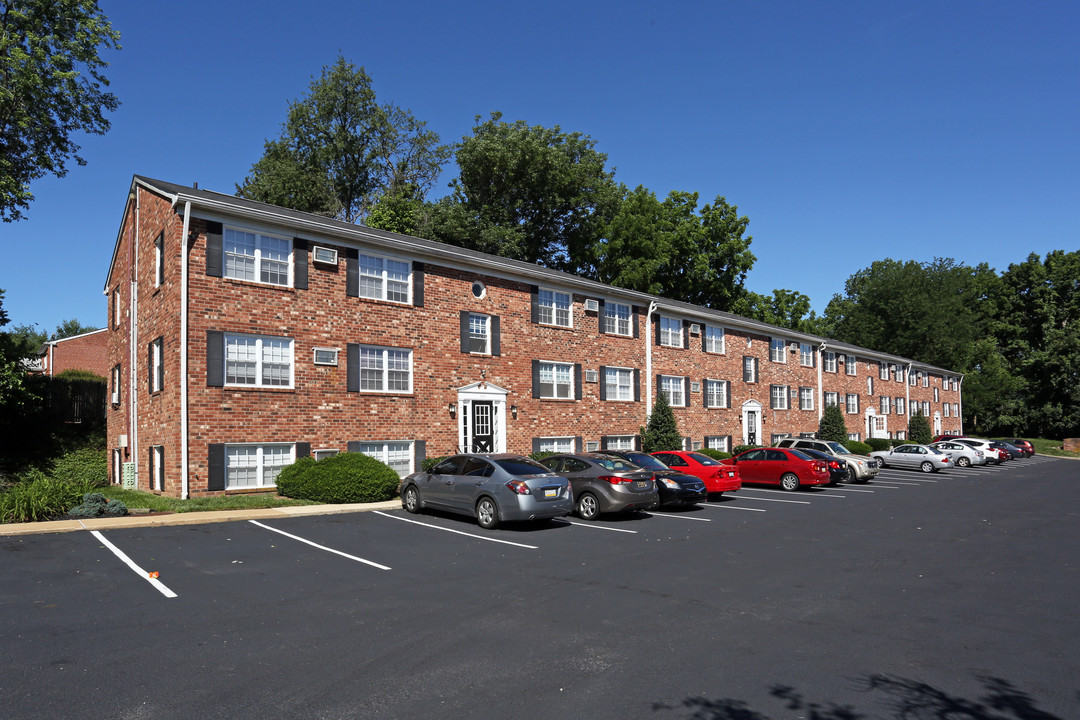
[
  {"x": 718, "y": 478},
  {"x": 786, "y": 467}
]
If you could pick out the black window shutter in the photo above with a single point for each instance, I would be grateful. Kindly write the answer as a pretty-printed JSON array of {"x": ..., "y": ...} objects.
[
  {"x": 536, "y": 445},
  {"x": 300, "y": 264},
  {"x": 496, "y": 335},
  {"x": 687, "y": 443},
  {"x": 419, "y": 454},
  {"x": 161, "y": 478},
  {"x": 656, "y": 327},
  {"x": 161, "y": 365},
  {"x": 727, "y": 393},
  {"x": 150, "y": 479},
  {"x": 352, "y": 367},
  {"x": 214, "y": 246},
  {"x": 745, "y": 370},
  {"x": 704, "y": 392},
  {"x": 577, "y": 381},
  {"x": 463, "y": 330},
  {"x": 352, "y": 446},
  {"x": 756, "y": 368},
  {"x": 215, "y": 461},
  {"x": 535, "y": 302},
  {"x": 659, "y": 386},
  {"x": 686, "y": 391},
  {"x": 637, "y": 442},
  {"x": 603, "y": 382},
  {"x": 634, "y": 322},
  {"x": 303, "y": 449},
  {"x": 601, "y": 321},
  {"x": 536, "y": 378},
  {"x": 150, "y": 367},
  {"x": 637, "y": 385},
  {"x": 686, "y": 335},
  {"x": 418, "y": 284},
  {"x": 604, "y": 439},
  {"x": 352, "y": 273},
  {"x": 729, "y": 448},
  {"x": 215, "y": 358},
  {"x": 579, "y": 444},
  {"x": 704, "y": 336}
]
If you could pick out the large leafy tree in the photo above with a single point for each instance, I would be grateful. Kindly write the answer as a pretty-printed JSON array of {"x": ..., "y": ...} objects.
[
  {"x": 785, "y": 308},
  {"x": 51, "y": 87},
  {"x": 527, "y": 192},
  {"x": 671, "y": 248},
  {"x": 340, "y": 151}
]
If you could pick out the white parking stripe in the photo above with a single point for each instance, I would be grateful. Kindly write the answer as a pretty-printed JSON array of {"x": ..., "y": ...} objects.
[
  {"x": 847, "y": 489},
  {"x": 761, "y": 499},
  {"x": 909, "y": 484},
  {"x": 321, "y": 547},
  {"x": 160, "y": 586},
  {"x": 456, "y": 532},
  {"x": 678, "y": 517},
  {"x": 785, "y": 492},
  {"x": 597, "y": 527},
  {"x": 733, "y": 507}
]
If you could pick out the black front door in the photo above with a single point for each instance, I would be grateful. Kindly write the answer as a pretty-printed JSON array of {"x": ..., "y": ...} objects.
[{"x": 483, "y": 423}]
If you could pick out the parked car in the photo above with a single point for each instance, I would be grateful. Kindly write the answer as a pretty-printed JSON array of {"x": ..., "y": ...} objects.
[
  {"x": 718, "y": 478},
  {"x": 1015, "y": 453},
  {"x": 939, "y": 438},
  {"x": 786, "y": 467},
  {"x": 861, "y": 468},
  {"x": 838, "y": 469},
  {"x": 960, "y": 454},
  {"x": 491, "y": 488},
  {"x": 603, "y": 483},
  {"x": 1024, "y": 445},
  {"x": 675, "y": 487},
  {"x": 993, "y": 454},
  {"x": 916, "y": 457}
]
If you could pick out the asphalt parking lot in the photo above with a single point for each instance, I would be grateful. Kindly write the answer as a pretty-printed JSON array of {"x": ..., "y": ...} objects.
[{"x": 912, "y": 595}]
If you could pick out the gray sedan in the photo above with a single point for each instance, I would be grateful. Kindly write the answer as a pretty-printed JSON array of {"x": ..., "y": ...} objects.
[
  {"x": 491, "y": 488},
  {"x": 918, "y": 457},
  {"x": 604, "y": 483}
]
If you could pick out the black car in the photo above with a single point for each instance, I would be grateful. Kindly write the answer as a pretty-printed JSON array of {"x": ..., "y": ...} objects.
[
  {"x": 675, "y": 488},
  {"x": 838, "y": 469},
  {"x": 1014, "y": 452}
]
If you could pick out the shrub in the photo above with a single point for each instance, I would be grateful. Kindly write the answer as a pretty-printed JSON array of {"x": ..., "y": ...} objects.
[
  {"x": 540, "y": 455},
  {"x": 857, "y": 448},
  {"x": 427, "y": 463},
  {"x": 345, "y": 478},
  {"x": 832, "y": 425},
  {"x": 39, "y": 497},
  {"x": 94, "y": 504},
  {"x": 897, "y": 442},
  {"x": 742, "y": 448},
  {"x": 714, "y": 454},
  {"x": 878, "y": 443},
  {"x": 919, "y": 428},
  {"x": 86, "y": 465},
  {"x": 662, "y": 432}
]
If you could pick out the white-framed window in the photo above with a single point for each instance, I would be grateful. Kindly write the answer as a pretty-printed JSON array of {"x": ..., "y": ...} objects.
[
  {"x": 157, "y": 370},
  {"x": 592, "y": 445},
  {"x": 717, "y": 393},
  {"x": 832, "y": 398},
  {"x": 945, "y": 410},
  {"x": 324, "y": 453},
  {"x": 936, "y": 397},
  {"x": 556, "y": 380},
  {"x": 898, "y": 405},
  {"x": 617, "y": 319},
  {"x": 257, "y": 257},
  {"x": 717, "y": 442},
  {"x": 398, "y": 454},
  {"x": 619, "y": 442},
  {"x": 898, "y": 373},
  {"x": 806, "y": 398},
  {"x": 258, "y": 360},
  {"x": 157, "y": 467},
  {"x": 116, "y": 306},
  {"x": 854, "y": 436},
  {"x": 556, "y": 444},
  {"x": 555, "y": 308},
  {"x": 385, "y": 369},
  {"x": 675, "y": 389},
  {"x": 251, "y": 465},
  {"x": 479, "y": 334},
  {"x": 778, "y": 397},
  {"x": 749, "y": 369},
  {"x": 325, "y": 356},
  {"x": 828, "y": 361},
  {"x": 924, "y": 379},
  {"x": 159, "y": 259},
  {"x": 884, "y": 404},
  {"x": 714, "y": 339},
  {"x": 115, "y": 385},
  {"x": 671, "y": 332},
  {"x": 850, "y": 365},
  {"x": 956, "y": 409},
  {"x": 852, "y": 404},
  {"x": 913, "y": 379},
  {"x": 777, "y": 346},
  {"x": 883, "y": 371},
  {"x": 619, "y": 384},
  {"x": 926, "y": 408},
  {"x": 869, "y": 386},
  {"x": 384, "y": 278},
  {"x": 806, "y": 354}
]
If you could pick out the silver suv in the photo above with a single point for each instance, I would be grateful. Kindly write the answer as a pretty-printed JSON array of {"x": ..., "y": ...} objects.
[{"x": 860, "y": 467}]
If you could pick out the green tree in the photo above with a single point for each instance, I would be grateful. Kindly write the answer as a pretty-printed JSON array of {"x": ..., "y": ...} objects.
[
  {"x": 340, "y": 151},
  {"x": 51, "y": 87},
  {"x": 832, "y": 425},
  {"x": 669, "y": 248},
  {"x": 662, "y": 431},
  {"x": 400, "y": 210},
  {"x": 786, "y": 308},
  {"x": 71, "y": 328},
  {"x": 919, "y": 428},
  {"x": 527, "y": 192}
]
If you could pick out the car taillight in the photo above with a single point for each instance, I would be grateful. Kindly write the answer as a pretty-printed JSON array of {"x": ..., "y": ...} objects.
[
  {"x": 614, "y": 480},
  {"x": 519, "y": 487},
  {"x": 834, "y": 465},
  {"x": 945, "y": 459}
]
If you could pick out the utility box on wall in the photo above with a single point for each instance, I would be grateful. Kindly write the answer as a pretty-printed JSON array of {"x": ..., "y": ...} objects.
[{"x": 127, "y": 476}]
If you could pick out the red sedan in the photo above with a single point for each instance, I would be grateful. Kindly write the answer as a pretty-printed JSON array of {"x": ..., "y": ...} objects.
[
  {"x": 718, "y": 478},
  {"x": 788, "y": 468}
]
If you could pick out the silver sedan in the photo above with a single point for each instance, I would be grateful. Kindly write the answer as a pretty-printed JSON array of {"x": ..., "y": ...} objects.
[
  {"x": 960, "y": 454},
  {"x": 917, "y": 457}
]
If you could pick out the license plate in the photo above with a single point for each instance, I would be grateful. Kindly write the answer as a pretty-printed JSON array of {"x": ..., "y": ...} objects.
[
  {"x": 551, "y": 492},
  {"x": 640, "y": 484},
  {"x": 731, "y": 474}
]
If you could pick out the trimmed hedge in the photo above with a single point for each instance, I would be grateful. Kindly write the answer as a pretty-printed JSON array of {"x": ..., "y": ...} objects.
[
  {"x": 714, "y": 454},
  {"x": 857, "y": 448},
  {"x": 344, "y": 478},
  {"x": 429, "y": 462},
  {"x": 878, "y": 443}
]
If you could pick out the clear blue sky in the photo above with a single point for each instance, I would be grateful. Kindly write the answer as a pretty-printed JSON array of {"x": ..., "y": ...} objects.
[{"x": 847, "y": 132}]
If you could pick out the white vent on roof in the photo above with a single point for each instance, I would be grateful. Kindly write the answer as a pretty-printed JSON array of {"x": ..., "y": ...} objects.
[
  {"x": 592, "y": 305},
  {"x": 324, "y": 255},
  {"x": 592, "y": 376}
]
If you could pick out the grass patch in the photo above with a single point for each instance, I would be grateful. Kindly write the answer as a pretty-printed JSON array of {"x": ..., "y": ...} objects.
[
  {"x": 1051, "y": 447},
  {"x": 160, "y": 503}
]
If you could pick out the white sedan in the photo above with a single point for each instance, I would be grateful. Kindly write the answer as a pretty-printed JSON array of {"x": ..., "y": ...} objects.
[
  {"x": 960, "y": 454},
  {"x": 917, "y": 457}
]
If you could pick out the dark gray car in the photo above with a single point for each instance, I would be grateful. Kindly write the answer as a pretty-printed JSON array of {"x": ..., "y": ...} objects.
[
  {"x": 491, "y": 488},
  {"x": 604, "y": 483}
]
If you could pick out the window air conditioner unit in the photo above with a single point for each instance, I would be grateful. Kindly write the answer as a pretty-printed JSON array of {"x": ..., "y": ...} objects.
[
  {"x": 592, "y": 305},
  {"x": 122, "y": 441},
  {"x": 695, "y": 329},
  {"x": 794, "y": 347},
  {"x": 840, "y": 358},
  {"x": 324, "y": 255},
  {"x": 695, "y": 386},
  {"x": 592, "y": 376}
]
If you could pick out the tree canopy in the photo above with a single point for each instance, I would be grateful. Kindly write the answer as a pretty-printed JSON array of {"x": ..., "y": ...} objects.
[{"x": 51, "y": 87}]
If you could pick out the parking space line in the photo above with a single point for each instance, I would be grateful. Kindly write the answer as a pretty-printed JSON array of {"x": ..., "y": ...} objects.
[
  {"x": 456, "y": 532},
  {"x": 847, "y": 489},
  {"x": 785, "y": 492},
  {"x": 761, "y": 499},
  {"x": 909, "y": 484},
  {"x": 597, "y": 527},
  {"x": 678, "y": 517},
  {"x": 158, "y": 585},
  {"x": 320, "y": 547},
  {"x": 734, "y": 507}
]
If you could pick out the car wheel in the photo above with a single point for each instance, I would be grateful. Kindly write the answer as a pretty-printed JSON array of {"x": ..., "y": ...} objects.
[
  {"x": 410, "y": 500},
  {"x": 717, "y": 494},
  {"x": 789, "y": 482},
  {"x": 927, "y": 466},
  {"x": 588, "y": 507},
  {"x": 963, "y": 462},
  {"x": 852, "y": 476},
  {"x": 487, "y": 514}
]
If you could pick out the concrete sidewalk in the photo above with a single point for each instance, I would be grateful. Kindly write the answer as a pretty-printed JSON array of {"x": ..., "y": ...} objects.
[{"x": 190, "y": 518}]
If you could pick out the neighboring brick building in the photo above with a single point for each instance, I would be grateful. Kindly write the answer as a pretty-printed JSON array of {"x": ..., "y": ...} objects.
[
  {"x": 86, "y": 351},
  {"x": 304, "y": 335}
]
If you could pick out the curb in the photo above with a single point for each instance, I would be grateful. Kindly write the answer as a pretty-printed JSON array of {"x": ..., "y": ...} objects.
[{"x": 191, "y": 518}]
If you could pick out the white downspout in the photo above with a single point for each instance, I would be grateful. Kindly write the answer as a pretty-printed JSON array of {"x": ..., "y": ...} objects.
[
  {"x": 960, "y": 400},
  {"x": 907, "y": 401},
  {"x": 820, "y": 382},
  {"x": 185, "y": 489},
  {"x": 647, "y": 334},
  {"x": 133, "y": 346}
]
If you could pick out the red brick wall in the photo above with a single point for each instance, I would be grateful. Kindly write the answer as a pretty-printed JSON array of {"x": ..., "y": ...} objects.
[{"x": 86, "y": 352}]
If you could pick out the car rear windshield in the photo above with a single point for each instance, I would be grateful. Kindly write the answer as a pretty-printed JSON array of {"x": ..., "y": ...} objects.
[
  {"x": 647, "y": 461},
  {"x": 616, "y": 464},
  {"x": 799, "y": 454},
  {"x": 522, "y": 466},
  {"x": 703, "y": 459}
]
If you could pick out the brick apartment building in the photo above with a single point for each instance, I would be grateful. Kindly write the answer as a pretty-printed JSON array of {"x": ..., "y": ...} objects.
[
  {"x": 86, "y": 351},
  {"x": 244, "y": 335}
]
